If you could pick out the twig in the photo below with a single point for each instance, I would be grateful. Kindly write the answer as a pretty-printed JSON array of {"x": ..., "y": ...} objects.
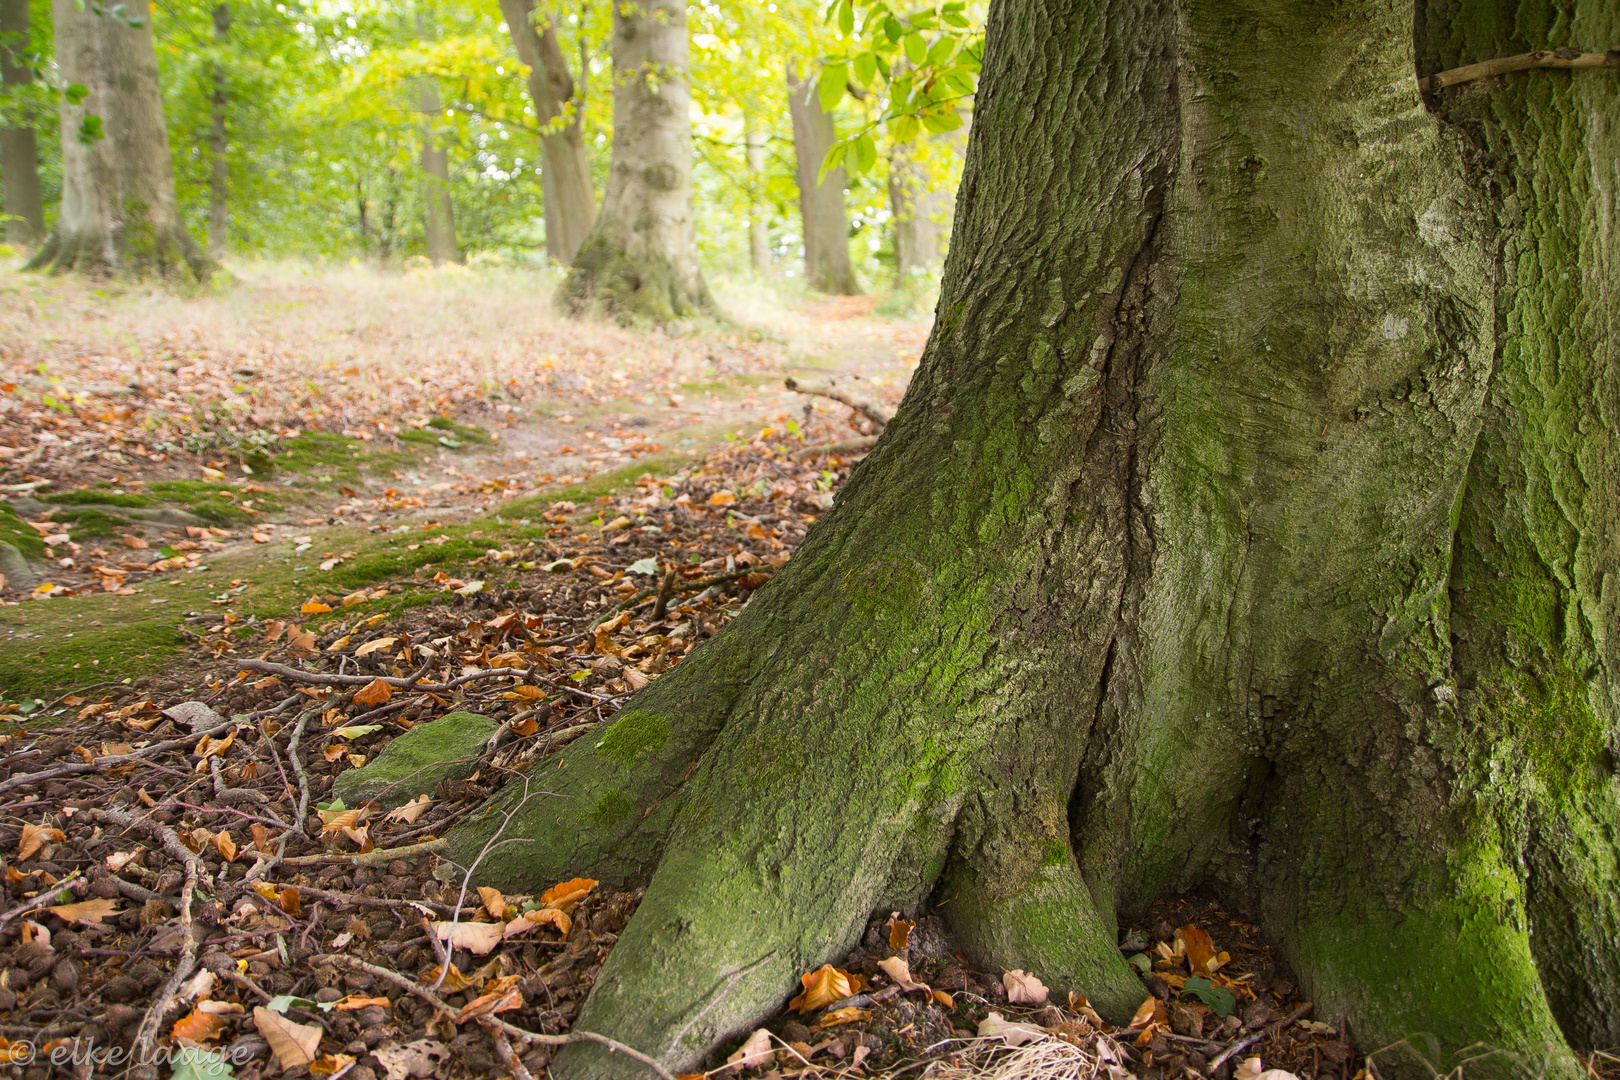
[
  {"x": 666, "y": 592},
  {"x": 866, "y": 409},
  {"x": 321, "y": 679},
  {"x": 298, "y": 771},
  {"x": 433, "y": 999},
  {"x": 503, "y": 1050},
  {"x": 847, "y": 446},
  {"x": 371, "y": 901},
  {"x": 106, "y": 761},
  {"x": 147, "y": 1032},
  {"x": 41, "y": 900},
  {"x": 1249, "y": 1040},
  {"x": 169, "y": 838},
  {"x": 1564, "y": 57},
  {"x": 374, "y": 857},
  {"x": 224, "y": 793}
]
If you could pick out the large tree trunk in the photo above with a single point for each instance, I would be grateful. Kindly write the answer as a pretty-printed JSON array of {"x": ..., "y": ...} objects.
[
  {"x": 567, "y": 200},
  {"x": 19, "y": 156},
  {"x": 1247, "y": 524},
  {"x": 119, "y": 214},
  {"x": 438, "y": 215},
  {"x": 640, "y": 260},
  {"x": 219, "y": 175},
  {"x": 821, "y": 203}
]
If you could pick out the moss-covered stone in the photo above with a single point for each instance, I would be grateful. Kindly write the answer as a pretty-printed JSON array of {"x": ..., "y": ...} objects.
[{"x": 414, "y": 763}]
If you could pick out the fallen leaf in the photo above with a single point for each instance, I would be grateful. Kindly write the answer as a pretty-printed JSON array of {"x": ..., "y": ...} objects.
[
  {"x": 293, "y": 1044},
  {"x": 374, "y": 693},
  {"x": 330, "y": 1064},
  {"x": 314, "y": 607},
  {"x": 848, "y": 1015},
  {"x": 35, "y": 837},
  {"x": 1144, "y": 1012},
  {"x": 944, "y": 1000},
  {"x": 303, "y": 640},
  {"x": 373, "y": 646},
  {"x": 1010, "y": 1032},
  {"x": 1200, "y": 950},
  {"x": 454, "y": 982},
  {"x": 197, "y": 1028},
  {"x": 290, "y": 902},
  {"x": 824, "y": 986},
  {"x": 85, "y": 911},
  {"x": 1023, "y": 988},
  {"x": 1250, "y": 1069},
  {"x": 411, "y": 810},
  {"x": 899, "y": 972},
  {"x": 120, "y": 859},
  {"x": 489, "y": 1004},
  {"x": 134, "y": 542},
  {"x": 545, "y": 916},
  {"x": 353, "y": 1001},
  {"x": 225, "y": 846},
  {"x": 413, "y": 1061},
  {"x": 899, "y": 932},
  {"x": 564, "y": 896},
  {"x": 494, "y": 902},
  {"x": 477, "y": 938},
  {"x": 195, "y": 1063},
  {"x": 756, "y": 1051}
]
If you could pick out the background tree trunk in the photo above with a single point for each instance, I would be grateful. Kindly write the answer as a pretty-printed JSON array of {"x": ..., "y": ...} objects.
[
  {"x": 118, "y": 212},
  {"x": 19, "y": 157},
  {"x": 1245, "y": 525},
  {"x": 917, "y": 212},
  {"x": 640, "y": 259},
  {"x": 821, "y": 205},
  {"x": 438, "y": 214},
  {"x": 565, "y": 170},
  {"x": 759, "y": 230},
  {"x": 219, "y": 176}
]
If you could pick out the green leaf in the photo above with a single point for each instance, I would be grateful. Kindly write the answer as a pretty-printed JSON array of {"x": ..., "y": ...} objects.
[
  {"x": 282, "y": 1002},
  {"x": 904, "y": 128},
  {"x": 834, "y": 158},
  {"x": 959, "y": 81},
  {"x": 883, "y": 65},
  {"x": 939, "y": 123},
  {"x": 648, "y": 565},
  {"x": 865, "y": 152},
  {"x": 335, "y": 804},
  {"x": 940, "y": 53},
  {"x": 89, "y": 133},
  {"x": 846, "y": 18},
  {"x": 1222, "y": 1000},
  {"x": 1142, "y": 962},
  {"x": 865, "y": 67},
  {"x": 892, "y": 27},
  {"x": 830, "y": 91},
  {"x": 76, "y": 93},
  {"x": 900, "y": 93},
  {"x": 956, "y": 19},
  {"x": 193, "y": 1063},
  {"x": 916, "y": 47}
]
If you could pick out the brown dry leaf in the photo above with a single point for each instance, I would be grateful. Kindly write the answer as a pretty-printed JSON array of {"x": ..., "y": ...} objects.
[
  {"x": 528, "y": 727},
  {"x": 944, "y": 1000},
  {"x": 489, "y": 1004},
  {"x": 374, "y": 693},
  {"x": 35, "y": 837},
  {"x": 373, "y": 646},
  {"x": 544, "y": 917},
  {"x": 261, "y": 837},
  {"x": 899, "y": 932},
  {"x": 899, "y": 972},
  {"x": 477, "y": 938},
  {"x": 353, "y": 1002},
  {"x": 290, "y": 902},
  {"x": 564, "y": 896},
  {"x": 1199, "y": 948},
  {"x": 273, "y": 630},
  {"x": 411, "y": 810},
  {"x": 134, "y": 542},
  {"x": 85, "y": 911},
  {"x": 197, "y": 1028},
  {"x": 333, "y": 752},
  {"x": 754, "y": 1052},
  {"x": 1144, "y": 1013},
  {"x": 850, "y": 1015},
  {"x": 335, "y": 821},
  {"x": 494, "y": 902},
  {"x": 330, "y": 1064},
  {"x": 1024, "y": 988},
  {"x": 225, "y": 846},
  {"x": 454, "y": 982},
  {"x": 824, "y": 986},
  {"x": 1010, "y": 1032},
  {"x": 293, "y": 1044}
]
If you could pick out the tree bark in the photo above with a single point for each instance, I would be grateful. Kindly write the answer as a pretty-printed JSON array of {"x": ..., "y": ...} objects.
[
  {"x": 821, "y": 205},
  {"x": 19, "y": 156},
  {"x": 568, "y": 202},
  {"x": 219, "y": 176},
  {"x": 1245, "y": 525},
  {"x": 438, "y": 215},
  {"x": 640, "y": 260},
  {"x": 759, "y": 228},
  {"x": 119, "y": 214}
]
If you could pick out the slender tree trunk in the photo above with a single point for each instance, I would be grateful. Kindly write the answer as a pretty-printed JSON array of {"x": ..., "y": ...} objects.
[
  {"x": 438, "y": 215},
  {"x": 821, "y": 205},
  {"x": 918, "y": 212},
  {"x": 19, "y": 156},
  {"x": 759, "y": 228},
  {"x": 640, "y": 260},
  {"x": 119, "y": 213},
  {"x": 1252, "y": 521},
  {"x": 565, "y": 169},
  {"x": 219, "y": 161}
]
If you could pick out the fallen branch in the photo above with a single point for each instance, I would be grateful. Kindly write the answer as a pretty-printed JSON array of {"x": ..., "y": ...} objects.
[
  {"x": 167, "y": 836},
  {"x": 412, "y": 987},
  {"x": 374, "y": 857},
  {"x": 865, "y": 408},
  {"x": 1505, "y": 65},
  {"x": 847, "y": 446},
  {"x": 321, "y": 679},
  {"x": 1249, "y": 1040},
  {"x": 145, "y": 1035},
  {"x": 41, "y": 900},
  {"x": 106, "y": 761}
]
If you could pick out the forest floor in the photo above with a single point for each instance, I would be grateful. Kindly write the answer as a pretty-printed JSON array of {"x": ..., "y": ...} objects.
[{"x": 467, "y": 505}]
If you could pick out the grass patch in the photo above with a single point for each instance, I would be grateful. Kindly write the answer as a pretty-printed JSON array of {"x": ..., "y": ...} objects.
[
  {"x": 18, "y": 535},
  {"x": 92, "y": 523},
  {"x": 603, "y": 484},
  {"x": 336, "y": 457},
  {"x": 101, "y": 495},
  {"x": 206, "y": 502}
]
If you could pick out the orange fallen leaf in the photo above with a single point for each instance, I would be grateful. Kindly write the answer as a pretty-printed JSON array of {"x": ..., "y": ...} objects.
[
  {"x": 548, "y": 916},
  {"x": 293, "y": 1044},
  {"x": 290, "y": 902},
  {"x": 1199, "y": 948},
  {"x": 493, "y": 901},
  {"x": 198, "y": 1028},
  {"x": 303, "y": 640},
  {"x": 35, "y": 837},
  {"x": 354, "y": 1001},
  {"x": 899, "y": 932},
  {"x": 844, "y": 1016},
  {"x": 1145, "y": 1012},
  {"x": 330, "y": 1064},
  {"x": 564, "y": 896},
  {"x": 454, "y": 982},
  {"x": 374, "y": 693},
  {"x": 943, "y": 999},
  {"x": 85, "y": 911},
  {"x": 488, "y": 1004},
  {"x": 313, "y": 606},
  {"x": 824, "y": 986},
  {"x": 134, "y": 542},
  {"x": 225, "y": 846}
]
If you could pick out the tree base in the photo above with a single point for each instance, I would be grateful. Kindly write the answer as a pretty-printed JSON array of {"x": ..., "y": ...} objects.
[
  {"x": 606, "y": 280},
  {"x": 169, "y": 254}
]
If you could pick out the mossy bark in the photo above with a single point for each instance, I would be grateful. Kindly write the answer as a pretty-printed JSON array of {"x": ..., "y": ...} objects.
[
  {"x": 640, "y": 260},
  {"x": 1245, "y": 524},
  {"x": 118, "y": 214}
]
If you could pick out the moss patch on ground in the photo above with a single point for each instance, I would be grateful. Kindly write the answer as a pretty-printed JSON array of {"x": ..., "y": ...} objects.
[{"x": 19, "y": 535}]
